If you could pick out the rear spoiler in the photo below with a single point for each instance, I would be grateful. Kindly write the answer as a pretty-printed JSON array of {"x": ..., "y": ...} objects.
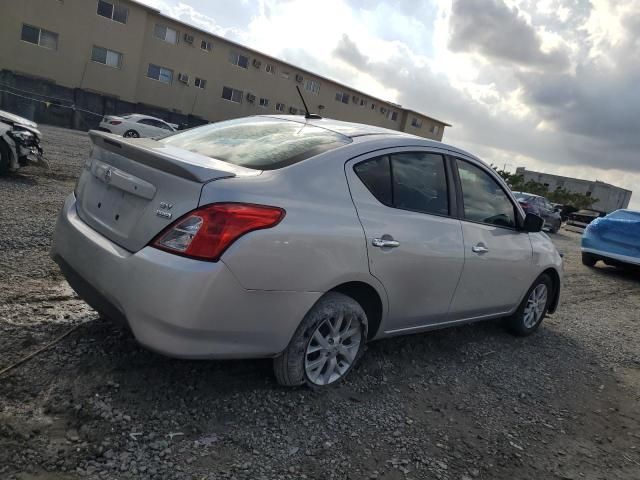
[{"x": 176, "y": 161}]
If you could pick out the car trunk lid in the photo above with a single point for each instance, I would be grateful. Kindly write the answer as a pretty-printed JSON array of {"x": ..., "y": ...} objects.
[{"x": 131, "y": 189}]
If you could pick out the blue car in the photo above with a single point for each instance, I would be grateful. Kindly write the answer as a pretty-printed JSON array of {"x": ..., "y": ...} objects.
[{"x": 614, "y": 239}]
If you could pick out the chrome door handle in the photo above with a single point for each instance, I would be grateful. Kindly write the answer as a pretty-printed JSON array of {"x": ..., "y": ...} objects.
[
  {"x": 385, "y": 243},
  {"x": 479, "y": 249}
]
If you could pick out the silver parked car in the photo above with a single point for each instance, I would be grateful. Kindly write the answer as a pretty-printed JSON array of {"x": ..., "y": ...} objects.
[{"x": 299, "y": 240}]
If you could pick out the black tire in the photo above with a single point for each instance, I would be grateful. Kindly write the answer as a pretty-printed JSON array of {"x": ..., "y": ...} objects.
[
  {"x": 289, "y": 366},
  {"x": 131, "y": 134},
  {"x": 5, "y": 158},
  {"x": 588, "y": 259},
  {"x": 516, "y": 323}
]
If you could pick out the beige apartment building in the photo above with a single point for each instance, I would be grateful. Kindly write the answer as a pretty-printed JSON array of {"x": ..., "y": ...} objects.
[{"x": 126, "y": 50}]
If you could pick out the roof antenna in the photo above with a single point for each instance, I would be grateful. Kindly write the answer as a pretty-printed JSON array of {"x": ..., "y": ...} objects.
[{"x": 306, "y": 109}]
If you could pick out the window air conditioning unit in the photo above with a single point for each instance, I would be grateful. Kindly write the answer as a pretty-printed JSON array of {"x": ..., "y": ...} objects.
[
  {"x": 188, "y": 38},
  {"x": 183, "y": 77},
  {"x": 299, "y": 78},
  {"x": 251, "y": 97},
  {"x": 256, "y": 63}
]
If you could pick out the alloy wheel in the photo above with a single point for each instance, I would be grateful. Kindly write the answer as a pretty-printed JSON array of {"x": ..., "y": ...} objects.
[
  {"x": 536, "y": 304},
  {"x": 332, "y": 349}
]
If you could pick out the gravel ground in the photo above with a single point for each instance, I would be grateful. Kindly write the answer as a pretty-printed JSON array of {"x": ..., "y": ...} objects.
[{"x": 463, "y": 403}]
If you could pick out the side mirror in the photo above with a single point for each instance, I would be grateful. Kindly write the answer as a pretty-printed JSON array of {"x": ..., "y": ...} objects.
[{"x": 532, "y": 223}]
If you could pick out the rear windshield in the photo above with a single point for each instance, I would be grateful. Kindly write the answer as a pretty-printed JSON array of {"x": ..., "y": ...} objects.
[
  {"x": 258, "y": 142},
  {"x": 625, "y": 215}
]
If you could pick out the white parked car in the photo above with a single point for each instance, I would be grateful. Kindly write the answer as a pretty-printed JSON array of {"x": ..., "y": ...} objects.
[{"x": 136, "y": 126}]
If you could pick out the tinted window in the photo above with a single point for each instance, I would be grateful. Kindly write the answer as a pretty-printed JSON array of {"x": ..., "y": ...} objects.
[
  {"x": 484, "y": 200},
  {"x": 410, "y": 181},
  {"x": 419, "y": 182},
  {"x": 376, "y": 175},
  {"x": 258, "y": 142}
]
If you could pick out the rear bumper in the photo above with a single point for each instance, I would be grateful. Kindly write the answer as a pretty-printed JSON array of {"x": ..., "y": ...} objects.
[{"x": 174, "y": 305}]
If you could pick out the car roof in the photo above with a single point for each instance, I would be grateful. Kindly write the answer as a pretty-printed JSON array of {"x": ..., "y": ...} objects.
[
  {"x": 140, "y": 115},
  {"x": 528, "y": 194},
  {"x": 358, "y": 130}
]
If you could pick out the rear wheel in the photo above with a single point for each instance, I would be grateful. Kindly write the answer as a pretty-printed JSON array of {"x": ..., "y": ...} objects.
[
  {"x": 588, "y": 259},
  {"x": 326, "y": 345},
  {"x": 532, "y": 310},
  {"x": 5, "y": 158},
  {"x": 131, "y": 134}
]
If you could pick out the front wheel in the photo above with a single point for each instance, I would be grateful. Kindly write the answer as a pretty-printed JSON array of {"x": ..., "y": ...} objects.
[
  {"x": 532, "y": 310},
  {"x": 326, "y": 345}
]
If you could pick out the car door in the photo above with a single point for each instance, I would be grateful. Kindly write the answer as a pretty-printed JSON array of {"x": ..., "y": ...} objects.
[
  {"x": 498, "y": 256},
  {"x": 149, "y": 127},
  {"x": 414, "y": 243}
]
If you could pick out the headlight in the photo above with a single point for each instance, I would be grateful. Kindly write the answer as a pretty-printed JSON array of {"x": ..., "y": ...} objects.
[{"x": 22, "y": 135}]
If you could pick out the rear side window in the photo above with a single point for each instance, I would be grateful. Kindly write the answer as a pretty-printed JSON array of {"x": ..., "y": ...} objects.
[
  {"x": 410, "y": 181},
  {"x": 484, "y": 200},
  {"x": 257, "y": 142}
]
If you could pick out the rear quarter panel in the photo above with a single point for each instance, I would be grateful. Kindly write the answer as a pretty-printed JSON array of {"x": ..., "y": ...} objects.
[{"x": 319, "y": 244}]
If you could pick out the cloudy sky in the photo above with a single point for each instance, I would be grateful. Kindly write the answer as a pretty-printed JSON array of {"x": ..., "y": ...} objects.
[{"x": 552, "y": 85}]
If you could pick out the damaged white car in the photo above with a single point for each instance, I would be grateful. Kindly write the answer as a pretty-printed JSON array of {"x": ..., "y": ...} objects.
[{"x": 19, "y": 143}]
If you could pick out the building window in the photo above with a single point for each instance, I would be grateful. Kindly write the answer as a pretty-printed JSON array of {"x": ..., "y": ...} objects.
[
  {"x": 434, "y": 129},
  {"x": 269, "y": 68},
  {"x": 38, "y": 36},
  {"x": 264, "y": 102},
  {"x": 279, "y": 107},
  {"x": 355, "y": 99},
  {"x": 312, "y": 86},
  {"x": 204, "y": 45},
  {"x": 588, "y": 194},
  {"x": 106, "y": 57},
  {"x": 232, "y": 94},
  {"x": 415, "y": 122},
  {"x": 373, "y": 106},
  {"x": 363, "y": 102},
  {"x": 394, "y": 116},
  {"x": 200, "y": 83},
  {"x": 165, "y": 33},
  {"x": 160, "y": 73},
  {"x": 342, "y": 97},
  {"x": 293, "y": 110},
  {"x": 239, "y": 60},
  {"x": 284, "y": 75},
  {"x": 117, "y": 13}
]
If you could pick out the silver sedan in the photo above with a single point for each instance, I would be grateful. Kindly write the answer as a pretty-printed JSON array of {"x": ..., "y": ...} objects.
[{"x": 299, "y": 240}]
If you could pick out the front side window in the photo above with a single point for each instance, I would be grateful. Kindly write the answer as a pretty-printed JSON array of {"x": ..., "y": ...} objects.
[
  {"x": 240, "y": 60},
  {"x": 165, "y": 33},
  {"x": 39, "y": 36},
  {"x": 258, "y": 142},
  {"x": 106, "y": 57},
  {"x": 160, "y": 73},
  {"x": 232, "y": 94},
  {"x": 413, "y": 181},
  {"x": 113, "y": 12},
  {"x": 484, "y": 200}
]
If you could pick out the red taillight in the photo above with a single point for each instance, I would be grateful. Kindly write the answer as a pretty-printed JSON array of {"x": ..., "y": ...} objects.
[
  {"x": 115, "y": 122},
  {"x": 208, "y": 231}
]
